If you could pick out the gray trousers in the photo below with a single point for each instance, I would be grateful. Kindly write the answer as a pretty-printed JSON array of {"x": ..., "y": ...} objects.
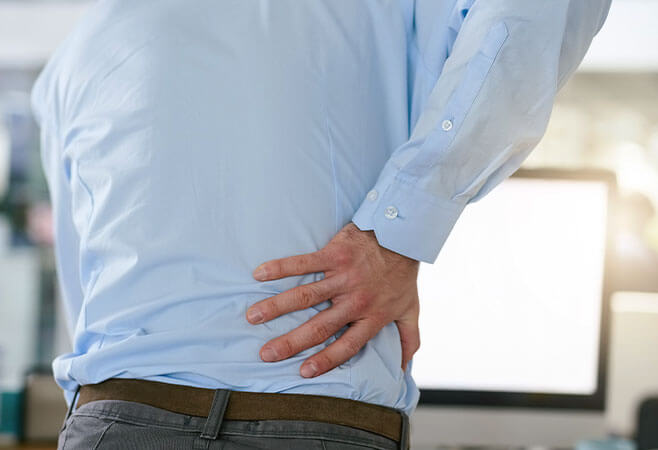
[{"x": 122, "y": 425}]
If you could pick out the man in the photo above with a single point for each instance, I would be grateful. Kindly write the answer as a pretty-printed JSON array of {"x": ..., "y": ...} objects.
[{"x": 243, "y": 191}]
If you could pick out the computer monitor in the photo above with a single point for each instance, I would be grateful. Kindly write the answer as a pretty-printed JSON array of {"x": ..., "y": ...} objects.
[{"x": 513, "y": 313}]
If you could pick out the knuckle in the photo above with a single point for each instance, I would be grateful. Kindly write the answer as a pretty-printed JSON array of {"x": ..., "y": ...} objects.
[
  {"x": 306, "y": 296},
  {"x": 352, "y": 345},
  {"x": 343, "y": 256},
  {"x": 301, "y": 262},
  {"x": 275, "y": 268},
  {"x": 323, "y": 361},
  {"x": 320, "y": 332},
  {"x": 379, "y": 317},
  {"x": 285, "y": 347},
  {"x": 355, "y": 278},
  {"x": 360, "y": 301},
  {"x": 270, "y": 308}
]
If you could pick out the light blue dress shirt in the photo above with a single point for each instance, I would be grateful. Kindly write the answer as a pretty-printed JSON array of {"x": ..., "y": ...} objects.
[{"x": 184, "y": 143}]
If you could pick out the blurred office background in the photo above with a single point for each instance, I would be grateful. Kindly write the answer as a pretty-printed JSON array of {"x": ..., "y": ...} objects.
[{"x": 605, "y": 117}]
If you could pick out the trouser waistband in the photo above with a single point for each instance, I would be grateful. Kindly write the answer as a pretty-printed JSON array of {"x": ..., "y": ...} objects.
[{"x": 224, "y": 404}]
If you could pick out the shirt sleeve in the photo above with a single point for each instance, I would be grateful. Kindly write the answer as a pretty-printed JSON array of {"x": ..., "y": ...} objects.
[{"x": 487, "y": 110}]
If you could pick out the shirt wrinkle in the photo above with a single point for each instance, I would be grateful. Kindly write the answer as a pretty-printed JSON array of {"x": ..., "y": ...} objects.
[{"x": 207, "y": 150}]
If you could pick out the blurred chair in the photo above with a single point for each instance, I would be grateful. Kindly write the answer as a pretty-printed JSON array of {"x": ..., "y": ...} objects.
[
  {"x": 44, "y": 408},
  {"x": 647, "y": 425}
]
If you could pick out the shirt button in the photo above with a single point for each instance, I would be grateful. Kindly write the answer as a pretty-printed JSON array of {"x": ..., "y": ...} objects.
[
  {"x": 391, "y": 212},
  {"x": 446, "y": 125},
  {"x": 372, "y": 195}
]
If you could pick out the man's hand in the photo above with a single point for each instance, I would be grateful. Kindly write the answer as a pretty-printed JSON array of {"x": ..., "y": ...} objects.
[{"x": 369, "y": 287}]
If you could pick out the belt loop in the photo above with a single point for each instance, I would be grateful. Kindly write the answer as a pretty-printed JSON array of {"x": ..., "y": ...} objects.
[
  {"x": 216, "y": 414},
  {"x": 404, "y": 432}
]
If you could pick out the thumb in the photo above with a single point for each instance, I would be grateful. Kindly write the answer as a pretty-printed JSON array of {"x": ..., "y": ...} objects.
[{"x": 409, "y": 337}]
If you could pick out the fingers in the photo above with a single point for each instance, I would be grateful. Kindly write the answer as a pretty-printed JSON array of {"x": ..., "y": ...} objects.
[
  {"x": 341, "y": 350},
  {"x": 410, "y": 340},
  {"x": 409, "y": 337},
  {"x": 292, "y": 265},
  {"x": 313, "y": 332},
  {"x": 300, "y": 297}
]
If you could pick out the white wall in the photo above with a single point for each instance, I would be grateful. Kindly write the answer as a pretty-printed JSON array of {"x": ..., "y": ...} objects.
[
  {"x": 29, "y": 31},
  {"x": 628, "y": 40}
]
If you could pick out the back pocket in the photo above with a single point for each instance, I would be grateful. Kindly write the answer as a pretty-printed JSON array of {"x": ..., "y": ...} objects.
[{"x": 83, "y": 432}]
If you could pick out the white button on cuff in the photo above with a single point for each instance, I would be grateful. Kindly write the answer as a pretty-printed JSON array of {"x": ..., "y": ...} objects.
[
  {"x": 391, "y": 212},
  {"x": 446, "y": 125},
  {"x": 372, "y": 195}
]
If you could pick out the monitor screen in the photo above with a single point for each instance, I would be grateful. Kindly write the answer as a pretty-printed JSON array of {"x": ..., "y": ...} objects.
[{"x": 513, "y": 302}]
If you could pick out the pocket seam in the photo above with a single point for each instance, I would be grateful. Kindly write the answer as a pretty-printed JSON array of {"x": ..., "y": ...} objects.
[
  {"x": 128, "y": 419},
  {"x": 100, "y": 438}
]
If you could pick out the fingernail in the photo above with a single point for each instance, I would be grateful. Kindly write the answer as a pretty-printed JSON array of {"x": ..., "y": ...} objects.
[
  {"x": 254, "y": 316},
  {"x": 309, "y": 370},
  {"x": 260, "y": 273},
  {"x": 269, "y": 354}
]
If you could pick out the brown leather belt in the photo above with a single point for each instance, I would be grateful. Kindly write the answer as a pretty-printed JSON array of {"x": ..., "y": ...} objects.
[{"x": 242, "y": 405}]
